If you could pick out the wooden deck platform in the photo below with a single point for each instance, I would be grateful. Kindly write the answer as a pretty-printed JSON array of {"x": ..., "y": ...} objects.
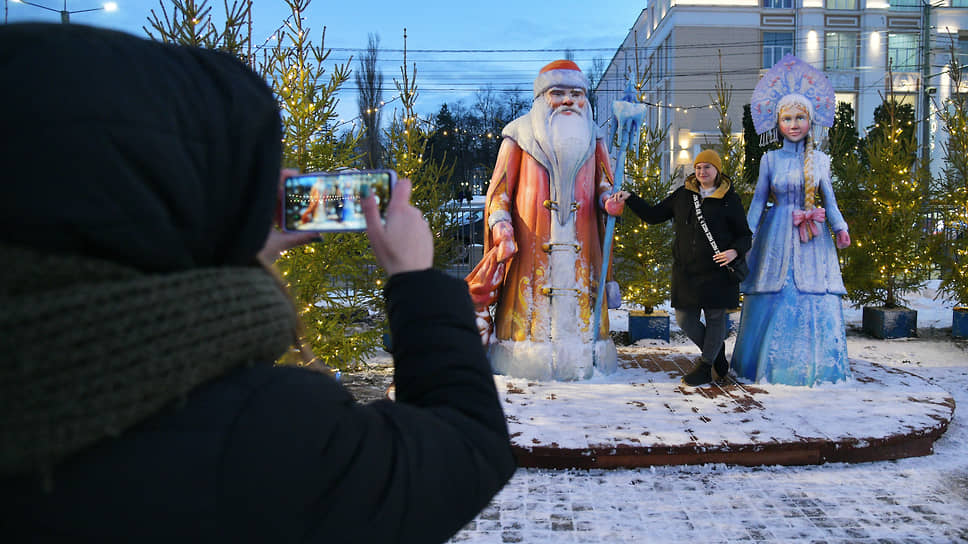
[{"x": 643, "y": 416}]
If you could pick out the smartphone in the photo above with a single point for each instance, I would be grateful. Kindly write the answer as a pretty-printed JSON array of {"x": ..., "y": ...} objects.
[{"x": 332, "y": 201}]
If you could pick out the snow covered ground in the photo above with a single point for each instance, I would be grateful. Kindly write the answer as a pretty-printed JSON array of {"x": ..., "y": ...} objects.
[{"x": 918, "y": 500}]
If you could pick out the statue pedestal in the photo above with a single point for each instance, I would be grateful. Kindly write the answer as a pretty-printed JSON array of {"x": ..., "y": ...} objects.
[
  {"x": 651, "y": 326},
  {"x": 643, "y": 416}
]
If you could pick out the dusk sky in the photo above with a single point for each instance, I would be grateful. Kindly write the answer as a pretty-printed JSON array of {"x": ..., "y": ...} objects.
[{"x": 459, "y": 47}]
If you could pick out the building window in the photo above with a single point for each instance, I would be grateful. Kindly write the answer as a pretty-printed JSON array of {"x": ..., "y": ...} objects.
[
  {"x": 781, "y": 4},
  {"x": 902, "y": 52},
  {"x": 850, "y": 98},
  {"x": 962, "y": 50},
  {"x": 906, "y": 5},
  {"x": 840, "y": 4},
  {"x": 908, "y": 99},
  {"x": 775, "y": 45},
  {"x": 840, "y": 51},
  {"x": 959, "y": 3}
]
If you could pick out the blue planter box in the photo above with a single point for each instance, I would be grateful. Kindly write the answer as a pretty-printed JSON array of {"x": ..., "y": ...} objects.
[
  {"x": 890, "y": 322},
  {"x": 959, "y": 322},
  {"x": 652, "y": 326}
]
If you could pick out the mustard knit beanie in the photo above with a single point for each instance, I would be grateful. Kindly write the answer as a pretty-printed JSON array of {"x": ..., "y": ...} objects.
[{"x": 711, "y": 157}]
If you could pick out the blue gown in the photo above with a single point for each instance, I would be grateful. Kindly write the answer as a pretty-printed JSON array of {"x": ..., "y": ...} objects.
[{"x": 792, "y": 327}]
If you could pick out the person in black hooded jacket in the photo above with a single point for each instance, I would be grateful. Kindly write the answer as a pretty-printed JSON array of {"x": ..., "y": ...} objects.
[
  {"x": 700, "y": 282},
  {"x": 139, "y": 401}
]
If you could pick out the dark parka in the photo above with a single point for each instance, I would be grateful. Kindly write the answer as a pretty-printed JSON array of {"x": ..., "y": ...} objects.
[
  {"x": 165, "y": 159},
  {"x": 697, "y": 280}
]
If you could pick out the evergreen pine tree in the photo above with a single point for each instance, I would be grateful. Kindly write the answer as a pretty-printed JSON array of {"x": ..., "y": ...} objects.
[
  {"x": 335, "y": 281},
  {"x": 369, "y": 82},
  {"x": 729, "y": 148},
  {"x": 642, "y": 255},
  {"x": 846, "y": 166},
  {"x": 888, "y": 258},
  {"x": 951, "y": 247},
  {"x": 408, "y": 137},
  {"x": 190, "y": 23}
]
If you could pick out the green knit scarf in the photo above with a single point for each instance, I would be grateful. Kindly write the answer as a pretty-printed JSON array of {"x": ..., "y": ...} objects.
[{"x": 89, "y": 348}]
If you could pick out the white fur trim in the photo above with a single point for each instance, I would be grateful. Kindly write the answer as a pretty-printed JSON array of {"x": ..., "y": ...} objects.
[
  {"x": 496, "y": 217},
  {"x": 559, "y": 78}
]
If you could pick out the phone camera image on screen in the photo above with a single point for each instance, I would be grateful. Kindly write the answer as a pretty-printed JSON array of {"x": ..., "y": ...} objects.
[{"x": 332, "y": 201}]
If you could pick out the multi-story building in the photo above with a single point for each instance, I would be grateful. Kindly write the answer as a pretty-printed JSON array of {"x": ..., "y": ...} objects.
[{"x": 865, "y": 47}]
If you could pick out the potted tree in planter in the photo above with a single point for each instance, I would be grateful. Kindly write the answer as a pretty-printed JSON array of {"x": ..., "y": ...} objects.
[
  {"x": 951, "y": 243},
  {"x": 888, "y": 257},
  {"x": 642, "y": 257}
]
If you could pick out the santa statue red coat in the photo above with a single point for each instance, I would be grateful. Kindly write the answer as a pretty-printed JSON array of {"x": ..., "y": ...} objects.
[{"x": 521, "y": 191}]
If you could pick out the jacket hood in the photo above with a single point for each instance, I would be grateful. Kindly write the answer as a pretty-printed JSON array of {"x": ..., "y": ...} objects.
[
  {"x": 156, "y": 156},
  {"x": 725, "y": 184}
]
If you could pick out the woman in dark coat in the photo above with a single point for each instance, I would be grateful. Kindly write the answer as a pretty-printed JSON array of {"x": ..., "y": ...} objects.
[
  {"x": 139, "y": 401},
  {"x": 700, "y": 282}
]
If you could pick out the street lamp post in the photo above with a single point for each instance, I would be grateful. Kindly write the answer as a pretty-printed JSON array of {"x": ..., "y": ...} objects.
[{"x": 66, "y": 13}]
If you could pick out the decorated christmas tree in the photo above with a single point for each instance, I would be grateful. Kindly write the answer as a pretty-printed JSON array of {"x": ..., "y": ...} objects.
[
  {"x": 642, "y": 253},
  {"x": 951, "y": 243},
  {"x": 335, "y": 281},
  {"x": 642, "y": 256},
  {"x": 888, "y": 258},
  {"x": 408, "y": 137}
]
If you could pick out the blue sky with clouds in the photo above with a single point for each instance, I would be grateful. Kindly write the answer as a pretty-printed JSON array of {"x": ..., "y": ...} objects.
[{"x": 459, "y": 47}]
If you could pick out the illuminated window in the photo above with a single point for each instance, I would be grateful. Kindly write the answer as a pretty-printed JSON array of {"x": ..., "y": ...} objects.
[
  {"x": 840, "y": 51},
  {"x": 902, "y": 52},
  {"x": 840, "y": 4},
  {"x": 775, "y": 45},
  {"x": 781, "y": 4}
]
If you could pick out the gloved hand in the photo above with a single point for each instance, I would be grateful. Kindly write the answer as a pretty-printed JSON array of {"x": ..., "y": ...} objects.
[
  {"x": 615, "y": 203},
  {"x": 843, "y": 239},
  {"x": 503, "y": 234}
]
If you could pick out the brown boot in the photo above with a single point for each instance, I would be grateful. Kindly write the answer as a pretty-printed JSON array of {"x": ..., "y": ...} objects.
[{"x": 700, "y": 375}]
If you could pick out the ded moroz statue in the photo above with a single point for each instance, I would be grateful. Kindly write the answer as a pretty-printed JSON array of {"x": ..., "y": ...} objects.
[{"x": 544, "y": 223}]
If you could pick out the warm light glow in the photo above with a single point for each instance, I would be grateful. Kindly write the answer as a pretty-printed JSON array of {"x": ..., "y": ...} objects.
[
  {"x": 875, "y": 40},
  {"x": 110, "y": 6},
  {"x": 812, "y": 40}
]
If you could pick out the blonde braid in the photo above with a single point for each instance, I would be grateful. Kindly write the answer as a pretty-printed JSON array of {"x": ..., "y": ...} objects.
[{"x": 809, "y": 177}]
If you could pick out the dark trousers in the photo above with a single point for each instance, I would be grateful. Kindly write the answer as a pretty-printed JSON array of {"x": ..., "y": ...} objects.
[{"x": 709, "y": 337}]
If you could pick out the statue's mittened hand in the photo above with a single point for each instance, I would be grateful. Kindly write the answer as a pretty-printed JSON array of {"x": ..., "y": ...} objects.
[
  {"x": 506, "y": 250},
  {"x": 503, "y": 234},
  {"x": 614, "y": 207},
  {"x": 843, "y": 239}
]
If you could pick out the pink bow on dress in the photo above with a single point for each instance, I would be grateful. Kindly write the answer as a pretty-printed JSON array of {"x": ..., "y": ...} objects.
[{"x": 807, "y": 222}]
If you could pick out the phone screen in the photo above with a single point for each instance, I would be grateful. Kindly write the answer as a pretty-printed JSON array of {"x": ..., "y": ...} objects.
[{"x": 332, "y": 201}]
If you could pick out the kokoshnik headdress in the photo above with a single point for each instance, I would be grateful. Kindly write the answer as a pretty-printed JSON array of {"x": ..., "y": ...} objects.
[{"x": 792, "y": 76}]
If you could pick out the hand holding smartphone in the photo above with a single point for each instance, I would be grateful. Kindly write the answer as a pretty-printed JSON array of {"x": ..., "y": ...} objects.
[{"x": 332, "y": 201}]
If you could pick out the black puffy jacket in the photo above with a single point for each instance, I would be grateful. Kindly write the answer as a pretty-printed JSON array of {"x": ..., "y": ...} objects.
[
  {"x": 697, "y": 280},
  {"x": 166, "y": 158}
]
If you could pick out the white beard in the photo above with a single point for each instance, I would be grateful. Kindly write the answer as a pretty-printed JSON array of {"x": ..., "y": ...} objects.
[{"x": 568, "y": 141}]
